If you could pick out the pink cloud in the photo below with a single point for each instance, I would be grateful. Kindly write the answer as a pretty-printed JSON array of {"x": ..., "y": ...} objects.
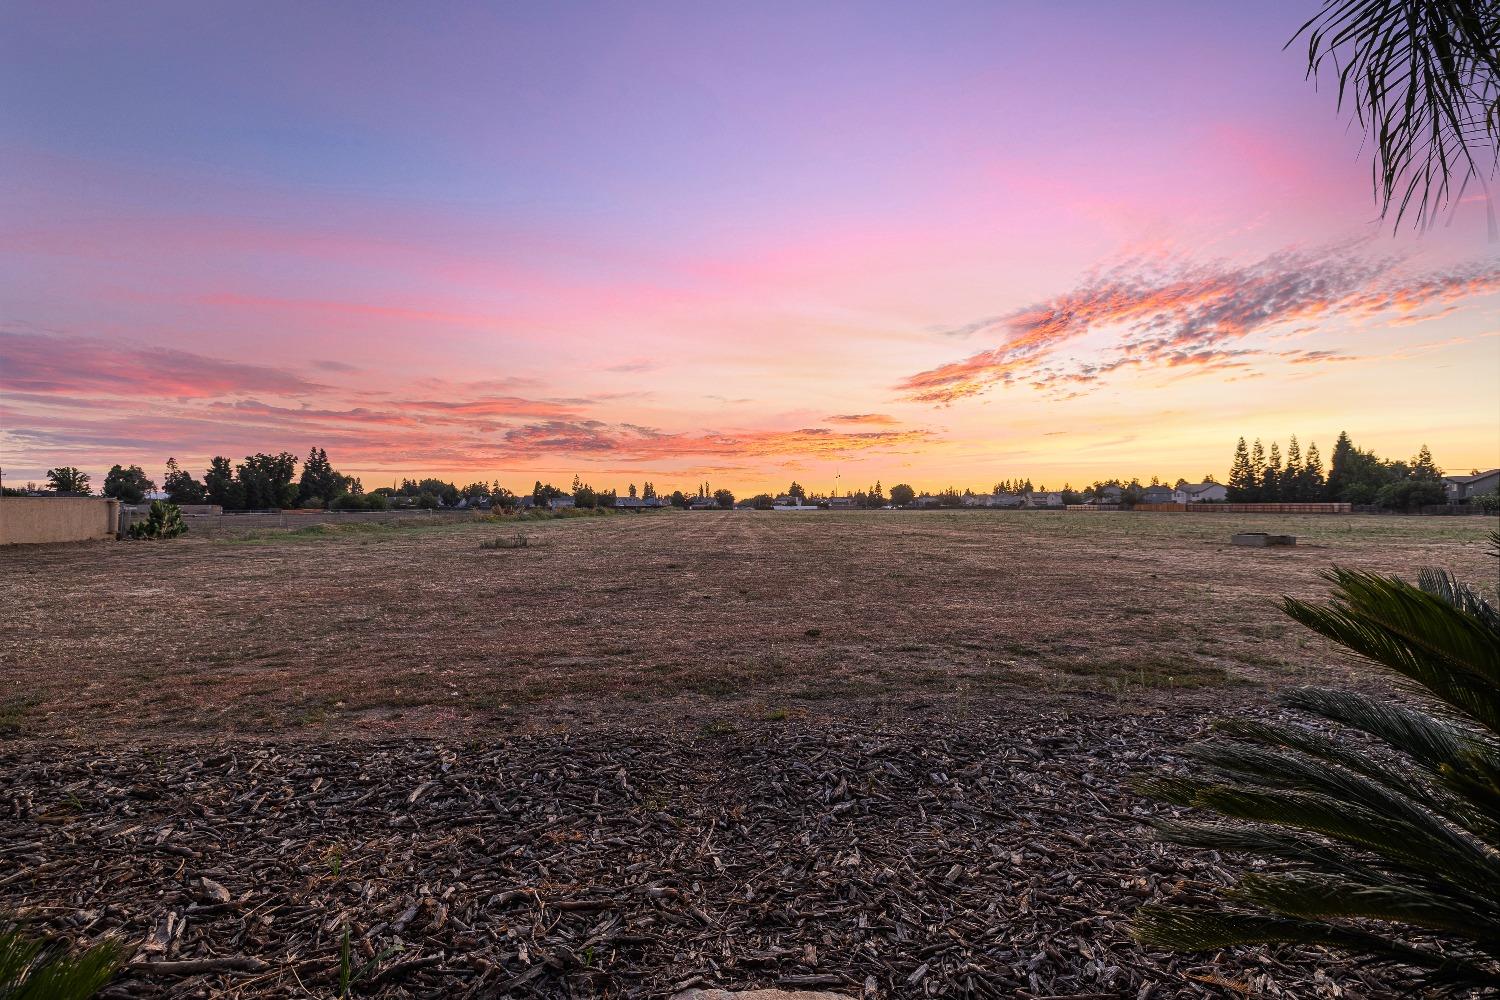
[{"x": 1180, "y": 314}]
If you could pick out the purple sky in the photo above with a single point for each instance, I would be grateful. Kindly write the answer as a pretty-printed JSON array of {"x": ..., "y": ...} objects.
[{"x": 687, "y": 241}]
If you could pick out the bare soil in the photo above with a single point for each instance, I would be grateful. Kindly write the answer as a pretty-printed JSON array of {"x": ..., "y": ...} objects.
[{"x": 703, "y": 620}]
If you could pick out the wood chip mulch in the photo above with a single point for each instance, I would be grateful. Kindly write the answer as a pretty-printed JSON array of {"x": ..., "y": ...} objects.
[{"x": 991, "y": 860}]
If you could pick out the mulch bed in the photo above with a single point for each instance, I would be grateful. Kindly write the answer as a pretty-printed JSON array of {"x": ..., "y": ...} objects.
[{"x": 995, "y": 860}]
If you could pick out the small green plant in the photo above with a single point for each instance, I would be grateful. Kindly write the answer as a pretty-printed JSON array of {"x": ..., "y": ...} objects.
[
  {"x": 33, "y": 970},
  {"x": 164, "y": 520},
  {"x": 349, "y": 973},
  {"x": 516, "y": 541}
]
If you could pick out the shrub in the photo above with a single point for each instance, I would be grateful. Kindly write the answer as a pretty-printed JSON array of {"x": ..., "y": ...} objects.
[
  {"x": 1410, "y": 494},
  {"x": 349, "y": 501},
  {"x": 1383, "y": 838},
  {"x": 32, "y": 969},
  {"x": 163, "y": 521},
  {"x": 1487, "y": 502}
]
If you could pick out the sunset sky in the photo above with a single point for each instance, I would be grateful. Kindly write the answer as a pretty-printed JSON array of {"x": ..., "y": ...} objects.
[{"x": 943, "y": 244}]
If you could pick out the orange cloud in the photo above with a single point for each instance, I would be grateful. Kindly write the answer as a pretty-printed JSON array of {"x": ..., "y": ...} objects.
[
  {"x": 1177, "y": 315},
  {"x": 880, "y": 419}
]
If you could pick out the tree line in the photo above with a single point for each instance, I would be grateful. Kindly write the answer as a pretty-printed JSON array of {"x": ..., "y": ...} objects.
[{"x": 1263, "y": 475}]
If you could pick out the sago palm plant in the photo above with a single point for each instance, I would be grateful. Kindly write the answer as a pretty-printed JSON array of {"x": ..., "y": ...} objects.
[
  {"x": 30, "y": 970},
  {"x": 1381, "y": 819}
]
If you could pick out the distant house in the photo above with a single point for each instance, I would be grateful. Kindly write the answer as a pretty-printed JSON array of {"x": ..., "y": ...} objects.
[
  {"x": 1052, "y": 498},
  {"x": 639, "y": 503},
  {"x": 1008, "y": 501},
  {"x": 1108, "y": 494},
  {"x": 979, "y": 500},
  {"x": 560, "y": 503},
  {"x": 1200, "y": 493},
  {"x": 1461, "y": 489},
  {"x": 841, "y": 503},
  {"x": 1159, "y": 494}
]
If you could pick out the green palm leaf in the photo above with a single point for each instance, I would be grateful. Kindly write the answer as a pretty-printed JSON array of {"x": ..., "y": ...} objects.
[
  {"x": 1383, "y": 834},
  {"x": 30, "y": 970}
]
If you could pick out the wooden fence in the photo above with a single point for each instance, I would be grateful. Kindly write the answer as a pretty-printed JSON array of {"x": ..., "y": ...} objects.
[{"x": 1247, "y": 508}]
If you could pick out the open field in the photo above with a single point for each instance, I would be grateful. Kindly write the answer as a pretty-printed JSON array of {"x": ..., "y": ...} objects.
[
  {"x": 705, "y": 620},
  {"x": 881, "y": 753}
]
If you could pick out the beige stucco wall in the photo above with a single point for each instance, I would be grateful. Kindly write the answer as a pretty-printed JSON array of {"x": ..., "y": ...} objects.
[{"x": 38, "y": 520}]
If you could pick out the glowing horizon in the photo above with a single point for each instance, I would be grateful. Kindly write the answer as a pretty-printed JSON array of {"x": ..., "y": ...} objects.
[{"x": 673, "y": 243}]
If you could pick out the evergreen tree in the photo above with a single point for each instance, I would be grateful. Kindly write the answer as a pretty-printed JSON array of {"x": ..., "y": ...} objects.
[
  {"x": 67, "y": 479},
  {"x": 221, "y": 486},
  {"x": 1292, "y": 480},
  {"x": 1257, "y": 471},
  {"x": 1424, "y": 469},
  {"x": 1314, "y": 487},
  {"x": 632, "y": 491},
  {"x": 1339, "y": 466},
  {"x": 320, "y": 483},
  {"x": 181, "y": 487},
  {"x": 1242, "y": 484},
  {"x": 1270, "y": 489},
  {"x": 267, "y": 480},
  {"x": 648, "y": 492}
]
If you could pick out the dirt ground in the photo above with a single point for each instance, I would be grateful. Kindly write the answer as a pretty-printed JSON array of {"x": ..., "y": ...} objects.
[{"x": 701, "y": 621}]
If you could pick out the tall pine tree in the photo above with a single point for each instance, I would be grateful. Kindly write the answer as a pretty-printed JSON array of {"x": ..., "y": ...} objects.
[
  {"x": 1340, "y": 466},
  {"x": 1292, "y": 477},
  {"x": 1241, "y": 485},
  {"x": 1314, "y": 487},
  {"x": 1257, "y": 471},
  {"x": 1270, "y": 483}
]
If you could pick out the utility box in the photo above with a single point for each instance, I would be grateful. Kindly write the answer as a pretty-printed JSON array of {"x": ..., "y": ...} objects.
[{"x": 1260, "y": 539}]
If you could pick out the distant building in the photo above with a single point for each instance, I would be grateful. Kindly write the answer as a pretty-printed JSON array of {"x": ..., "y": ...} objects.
[
  {"x": 1053, "y": 498},
  {"x": 841, "y": 503},
  {"x": 1108, "y": 494},
  {"x": 1462, "y": 488},
  {"x": 639, "y": 503},
  {"x": 1200, "y": 493},
  {"x": 561, "y": 503},
  {"x": 1159, "y": 494}
]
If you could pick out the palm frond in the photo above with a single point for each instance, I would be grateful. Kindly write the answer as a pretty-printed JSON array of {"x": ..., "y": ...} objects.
[
  {"x": 1454, "y": 656},
  {"x": 1423, "y": 78},
  {"x": 1191, "y": 929},
  {"x": 32, "y": 970},
  {"x": 1380, "y": 832}
]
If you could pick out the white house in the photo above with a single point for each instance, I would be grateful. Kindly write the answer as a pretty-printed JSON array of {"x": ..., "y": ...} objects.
[{"x": 1199, "y": 493}]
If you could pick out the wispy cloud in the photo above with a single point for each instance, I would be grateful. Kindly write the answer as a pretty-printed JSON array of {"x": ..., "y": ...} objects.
[
  {"x": 1180, "y": 314},
  {"x": 873, "y": 419},
  {"x": 38, "y": 363}
]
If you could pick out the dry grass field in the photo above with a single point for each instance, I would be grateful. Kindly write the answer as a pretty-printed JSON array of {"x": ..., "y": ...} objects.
[{"x": 701, "y": 622}]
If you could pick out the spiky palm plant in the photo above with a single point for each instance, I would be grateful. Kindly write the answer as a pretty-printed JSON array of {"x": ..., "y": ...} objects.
[
  {"x": 1383, "y": 828},
  {"x": 30, "y": 970}
]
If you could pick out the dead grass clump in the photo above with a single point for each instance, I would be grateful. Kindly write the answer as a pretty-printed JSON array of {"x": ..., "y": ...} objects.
[
  {"x": 14, "y": 713},
  {"x": 1148, "y": 672},
  {"x": 516, "y": 541}
]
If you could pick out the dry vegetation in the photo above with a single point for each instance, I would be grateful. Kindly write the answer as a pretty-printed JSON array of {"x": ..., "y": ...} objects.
[
  {"x": 883, "y": 753},
  {"x": 704, "y": 620}
]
